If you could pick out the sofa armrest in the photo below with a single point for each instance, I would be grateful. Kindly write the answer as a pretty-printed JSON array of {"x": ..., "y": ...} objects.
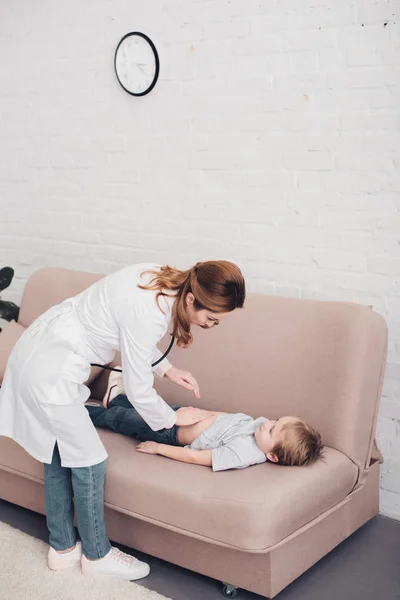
[
  {"x": 376, "y": 454},
  {"x": 8, "y": 338}
]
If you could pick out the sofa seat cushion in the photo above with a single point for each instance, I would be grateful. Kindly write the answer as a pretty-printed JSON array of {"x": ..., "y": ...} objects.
[{"x": 250, "y": 509}]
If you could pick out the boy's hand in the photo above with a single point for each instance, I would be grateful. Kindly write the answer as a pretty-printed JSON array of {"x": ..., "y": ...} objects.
[{"x": 148, "y": 447}]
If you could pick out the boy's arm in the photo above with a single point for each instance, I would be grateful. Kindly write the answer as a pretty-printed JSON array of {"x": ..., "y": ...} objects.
[{"x": 196, "y": 457}]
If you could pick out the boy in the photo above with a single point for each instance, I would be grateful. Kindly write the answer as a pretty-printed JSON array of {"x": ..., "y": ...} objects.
[{"x": 218, "y": 440}]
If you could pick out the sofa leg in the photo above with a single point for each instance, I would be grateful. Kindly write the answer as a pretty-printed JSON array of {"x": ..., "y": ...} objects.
[{"x": 229, "y": 591}]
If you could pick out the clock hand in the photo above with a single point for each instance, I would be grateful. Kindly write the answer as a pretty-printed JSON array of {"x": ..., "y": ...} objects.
[{"x": 143, "y": 71}]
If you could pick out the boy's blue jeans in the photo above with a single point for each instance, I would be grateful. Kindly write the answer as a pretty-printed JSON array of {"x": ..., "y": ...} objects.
[
  {"x": 121, "y": 417},
  {"x": 83, "y": 486}
]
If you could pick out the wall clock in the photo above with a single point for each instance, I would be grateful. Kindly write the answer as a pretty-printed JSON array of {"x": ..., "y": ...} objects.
[{"x": 136, "y": 63}]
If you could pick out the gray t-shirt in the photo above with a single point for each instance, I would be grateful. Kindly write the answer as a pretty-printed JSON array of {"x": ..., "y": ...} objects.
[{"x": 231, "y": 439}]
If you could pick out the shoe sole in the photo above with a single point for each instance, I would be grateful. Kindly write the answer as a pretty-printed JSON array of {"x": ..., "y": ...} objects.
[
  {"x": 145, "y": 571},
  {"x": 106, "y": 399},
  {"x": 140, "y": 575}
]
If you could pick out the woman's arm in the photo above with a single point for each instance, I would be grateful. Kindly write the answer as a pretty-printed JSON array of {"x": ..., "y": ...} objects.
[
  {"x": 162, "y": 367},
  {"x": 139, "y": 333},
  {"x": 196, "y": 457}
]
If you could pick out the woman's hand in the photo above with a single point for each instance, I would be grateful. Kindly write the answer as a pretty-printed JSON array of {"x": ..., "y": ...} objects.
[
  {"x": 188, "y": 415},
  {"x": 183, "y": 378},
  {"x": 148, "y": 447}
]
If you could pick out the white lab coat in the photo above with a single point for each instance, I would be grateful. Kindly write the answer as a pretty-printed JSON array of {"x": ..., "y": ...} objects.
[{"x": 43, "y": 393}]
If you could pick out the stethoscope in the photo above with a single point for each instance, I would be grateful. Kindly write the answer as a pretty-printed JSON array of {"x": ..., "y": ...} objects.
[{"x": 153, "y": 365}]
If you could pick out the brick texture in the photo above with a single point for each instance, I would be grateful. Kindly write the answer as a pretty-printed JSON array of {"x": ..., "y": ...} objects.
[{"x": 271, "y": 139}]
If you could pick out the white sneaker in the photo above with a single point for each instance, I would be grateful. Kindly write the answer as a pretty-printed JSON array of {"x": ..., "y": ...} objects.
[
  {"x": 115, "y": 386},
  {"x": 115, "y": 564},
  {"x": 58, "y": 561}
]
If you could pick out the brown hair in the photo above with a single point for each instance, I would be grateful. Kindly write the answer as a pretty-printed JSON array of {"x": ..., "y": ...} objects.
[
  {"x": 217, "y": 285},
  {"x": 300, "y": 445}
]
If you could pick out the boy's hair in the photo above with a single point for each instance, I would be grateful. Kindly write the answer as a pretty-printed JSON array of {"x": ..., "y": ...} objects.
[{"x": 300, "y": 445}]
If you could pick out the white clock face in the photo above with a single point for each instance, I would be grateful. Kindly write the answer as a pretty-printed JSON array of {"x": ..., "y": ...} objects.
[{"x": 136, "y": 64}]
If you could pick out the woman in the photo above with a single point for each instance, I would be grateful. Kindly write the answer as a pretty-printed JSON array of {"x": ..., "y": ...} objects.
[{"x": 43, "y": 393}]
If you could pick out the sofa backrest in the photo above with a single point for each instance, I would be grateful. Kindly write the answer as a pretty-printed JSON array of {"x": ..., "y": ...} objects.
[{"x": 321, "y": 361}]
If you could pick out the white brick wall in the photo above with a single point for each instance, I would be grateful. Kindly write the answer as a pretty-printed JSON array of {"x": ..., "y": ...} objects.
[{"x": 272, "y": 139}]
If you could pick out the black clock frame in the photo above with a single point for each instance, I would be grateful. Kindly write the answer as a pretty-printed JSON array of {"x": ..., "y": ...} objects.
[{"x": 152, "y": 46}]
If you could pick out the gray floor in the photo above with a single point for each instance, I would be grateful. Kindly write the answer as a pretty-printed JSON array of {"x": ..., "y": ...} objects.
[{"x": 364, "y": 567}]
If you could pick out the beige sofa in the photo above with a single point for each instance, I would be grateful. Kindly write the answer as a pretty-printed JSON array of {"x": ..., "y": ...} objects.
[{"x": 261, "y": 527}]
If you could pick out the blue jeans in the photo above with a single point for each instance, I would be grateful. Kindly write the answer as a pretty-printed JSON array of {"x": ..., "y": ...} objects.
[
  {"x": 85, "y": 487},
  {"x": 121, "y": 417}
]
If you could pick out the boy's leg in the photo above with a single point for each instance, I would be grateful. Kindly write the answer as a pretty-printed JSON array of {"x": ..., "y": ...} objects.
[
  {"x": 126, "y": 420},
  {"x": 59, "y": 504},
  {"x": 88, "y": 486},
  {"x": 122, "y": 400}
]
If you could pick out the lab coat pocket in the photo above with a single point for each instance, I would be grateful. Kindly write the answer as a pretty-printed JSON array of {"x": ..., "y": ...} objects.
[
  {"x": 69, "y": 388},
  {"x": 76, "y": 368}
]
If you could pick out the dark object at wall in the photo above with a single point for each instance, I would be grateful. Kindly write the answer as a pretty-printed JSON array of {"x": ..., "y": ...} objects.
[
  {"x": 8, "y": 310},
  {"x": 6, "y": 277}
]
